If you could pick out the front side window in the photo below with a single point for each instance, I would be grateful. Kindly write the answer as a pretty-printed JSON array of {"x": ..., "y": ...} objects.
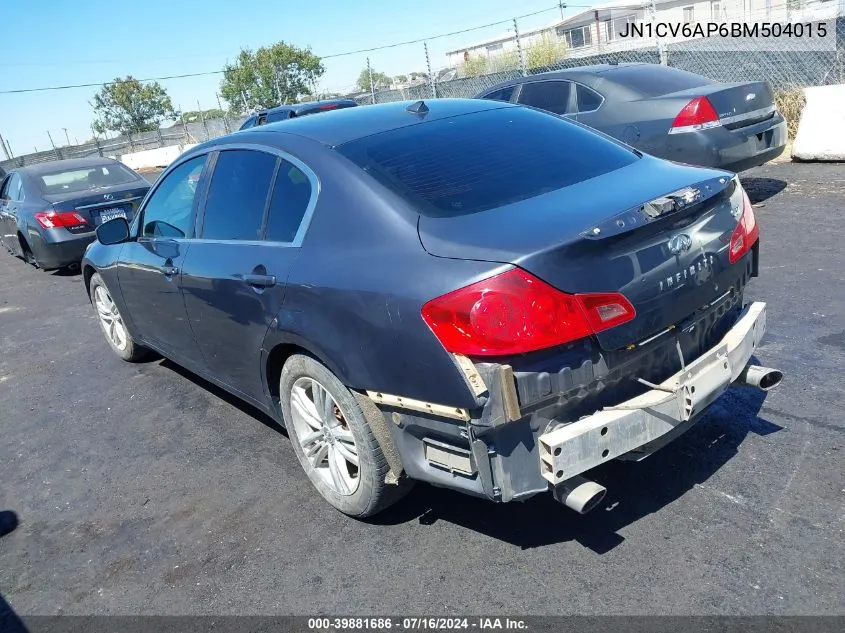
[
  {"x": 169, "y": 211},
  {"x": 552, "y": 96},
  {"x": 237, "y": 195},
  {"x": 4, "y": 191},
  {"x": 291, "y": 197},
  {"x": 12, "y": 190}
]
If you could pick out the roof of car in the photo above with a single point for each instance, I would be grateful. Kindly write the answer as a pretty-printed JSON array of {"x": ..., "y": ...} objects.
[
  {"x": 348, "y": 124},
  {"x": 571, "y": 73},
  {"x": 68, "y": 164}
]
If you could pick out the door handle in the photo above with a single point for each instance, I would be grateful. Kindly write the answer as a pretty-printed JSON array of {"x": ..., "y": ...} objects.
[
  {"x": 260, "y": 281},
  {"x": 169, "y": 271}
]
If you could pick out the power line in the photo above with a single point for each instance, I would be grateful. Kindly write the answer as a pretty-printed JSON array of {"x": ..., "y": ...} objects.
[{"x": 332, "y": 56}]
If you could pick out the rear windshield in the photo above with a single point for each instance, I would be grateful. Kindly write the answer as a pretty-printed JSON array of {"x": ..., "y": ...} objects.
[
  {"x": 85, "y": 179},
  {"x": 651, "y": 80},
  {"x": 471, "y": 163}
]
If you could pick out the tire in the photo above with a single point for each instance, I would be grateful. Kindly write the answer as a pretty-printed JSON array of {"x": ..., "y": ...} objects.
[
  {"x": 26, "y": 252},
  {"x": 111, "y": 322},
  {"x": 358, "y": 491}
]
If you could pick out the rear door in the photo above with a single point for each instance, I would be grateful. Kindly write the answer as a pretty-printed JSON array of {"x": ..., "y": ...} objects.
[
  {"x": 6, "y": 232},
  {"x": 234, "y": 276},
  {"x": 11, "y": 195},
  {"x": 554, "y": 96},
  {"x": 150, "y": 267}
]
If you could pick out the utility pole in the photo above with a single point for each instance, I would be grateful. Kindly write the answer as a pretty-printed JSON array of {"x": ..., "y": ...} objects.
[
  {"x": 372, "y": 87},
  {"x": 562, "y": 6},
  {"x": 519, "y": 50},
  {"x": 661, "y": 47}
]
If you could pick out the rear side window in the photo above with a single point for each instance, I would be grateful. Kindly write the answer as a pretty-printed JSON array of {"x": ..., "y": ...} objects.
[
  {"x": 504, "y": 94},
  {"x": 652, "y": 80},
  {"x": 587, "y": 99},
  {"x": 284, "y": 115},
  {"x": 466, "y": 164},
  {"x": 552, "y": 96},
  {"x": 237, "y": 196},
  {"x": 291, "y": 196}
]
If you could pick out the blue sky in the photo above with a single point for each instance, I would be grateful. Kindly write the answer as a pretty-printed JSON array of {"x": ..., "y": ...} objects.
[{"x": 64, "y": 42}]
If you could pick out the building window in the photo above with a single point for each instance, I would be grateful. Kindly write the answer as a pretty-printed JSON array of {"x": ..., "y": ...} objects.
[
  {"x": 715, "y": 11},
  {"x": 689, "y": 15},
  {"x": 576, "y": 38},
  {"x": 620, "y": 25}
]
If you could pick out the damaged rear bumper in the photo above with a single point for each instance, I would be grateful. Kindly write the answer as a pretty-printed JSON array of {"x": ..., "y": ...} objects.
[{"x": 572, "y": 449}]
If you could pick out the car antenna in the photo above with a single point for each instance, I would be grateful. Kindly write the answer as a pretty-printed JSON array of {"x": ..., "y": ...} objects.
[{"x": 418, "y": 108}]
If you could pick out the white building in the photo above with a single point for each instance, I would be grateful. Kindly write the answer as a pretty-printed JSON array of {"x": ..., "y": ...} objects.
[{"x": 597, "y": 29}]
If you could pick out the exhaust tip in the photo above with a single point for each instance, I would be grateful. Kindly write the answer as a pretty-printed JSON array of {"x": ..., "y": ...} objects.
[
  {"x": 763, "y": 378},
  {"x": 579, "y": 494},
  {"x": 771, "y": 379}
]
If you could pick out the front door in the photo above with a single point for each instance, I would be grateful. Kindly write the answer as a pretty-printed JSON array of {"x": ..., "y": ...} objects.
[
  {"x": 234, "y": 276},
  {"x": 150, "y": 267}
]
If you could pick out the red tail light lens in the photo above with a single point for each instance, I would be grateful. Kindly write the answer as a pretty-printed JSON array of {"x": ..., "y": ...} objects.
[
  {"x": 54, "y": 219},
  {"x": 746, "y": 232},
  {"x": 515, "y": 312},
  {"x": 698, "y": 114}
]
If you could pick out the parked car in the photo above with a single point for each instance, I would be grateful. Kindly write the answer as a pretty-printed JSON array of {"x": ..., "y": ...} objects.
[
  {"x": 663, "y": 111},
  {"x": 413, "y": 303},
  {"x": 285, "y": 112},
  {"x": 49, "y": 211}
]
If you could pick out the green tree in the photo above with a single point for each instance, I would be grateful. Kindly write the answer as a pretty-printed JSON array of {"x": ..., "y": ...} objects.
[
  {"x": 128, "y": 106},
  {"x": 415, "y": 76},
  {"x": 547, "y": 51},
  {"x": 473, "y": 66},
  {"x": 402, "y": 79},
  {"x": 194, "y": 115},
  {"x": 270, "y": 76},
  {"x": 380, "y": 80}
]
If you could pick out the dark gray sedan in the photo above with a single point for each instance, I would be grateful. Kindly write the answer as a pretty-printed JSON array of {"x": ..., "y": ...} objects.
[
  {"x": 663, "y": 111},
  {"x": 49, "y": 212}
]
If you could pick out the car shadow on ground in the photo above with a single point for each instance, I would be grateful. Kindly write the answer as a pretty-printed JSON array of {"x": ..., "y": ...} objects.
[
  {"x": 224, "y": 395},
  {"x": 10, "y": 622},
  {"x": 634, "y": 489},
  {"x": 761, "y": 189}
]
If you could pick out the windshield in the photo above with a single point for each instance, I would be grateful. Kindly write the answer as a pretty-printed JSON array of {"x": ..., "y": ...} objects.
[
  {"x": 479, "y": 161},
  {"x": 85, "y": 179}
]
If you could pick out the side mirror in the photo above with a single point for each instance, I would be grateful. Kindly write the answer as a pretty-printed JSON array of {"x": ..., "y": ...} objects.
[{"x": 114, "y": 231}]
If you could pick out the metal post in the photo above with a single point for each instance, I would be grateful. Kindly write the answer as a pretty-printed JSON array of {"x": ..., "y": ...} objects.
[
  {"x": 246, "y": 104},
  {"x": 160, "y": 138},
  {"x": 9, "y": 149},
  {"x": 58, "y": 156},
  {"x": 184, "y": 125},
  {"x": 131, "y": 142},
  {"x": 372, "y": 87},
  {"x": 99, "y": 147},
  {"x": 202, "y": 118},
  {"x": 278, "y": 90},
  {"x": 66, "y": 135},
  {"x": 431, "y": 83},
  {"x": 3, "y": 145},
  {"x": 220, "y": 107},
  {"x": 522, "y": 66},
  {"x": 661, "y": 47}
]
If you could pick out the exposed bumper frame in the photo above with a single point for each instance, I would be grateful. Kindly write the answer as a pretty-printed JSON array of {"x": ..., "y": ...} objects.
[{"x": 575, "y": 448}]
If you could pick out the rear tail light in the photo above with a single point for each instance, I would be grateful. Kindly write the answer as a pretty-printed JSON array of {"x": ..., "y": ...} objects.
[
  {"x": 327, "y": 106},
  {"x": 746, "y": 232},
  {"x": 515, "y": 312},
  {"x": 698, "y": 114},
  {"x": 54, "y": 219}
]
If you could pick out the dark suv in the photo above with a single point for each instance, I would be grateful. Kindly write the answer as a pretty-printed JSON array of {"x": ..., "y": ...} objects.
[{"x": 282, "y": 113}]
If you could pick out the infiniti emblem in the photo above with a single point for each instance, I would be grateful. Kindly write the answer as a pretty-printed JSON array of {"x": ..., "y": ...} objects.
[
  {"x": 108, "y": 196},
  {"x": 680, "y": 243}
]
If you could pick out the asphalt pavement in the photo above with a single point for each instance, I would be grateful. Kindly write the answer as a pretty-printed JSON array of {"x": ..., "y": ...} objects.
[{"x": 142, "y": 489}]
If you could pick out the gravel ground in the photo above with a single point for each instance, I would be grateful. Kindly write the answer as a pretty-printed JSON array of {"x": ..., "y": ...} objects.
[{"x": 143, "y": 489}]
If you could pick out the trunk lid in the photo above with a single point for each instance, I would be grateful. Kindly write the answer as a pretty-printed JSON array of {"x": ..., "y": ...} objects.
[
  {"x": 553, "y": 236},
  {"x": 96, "y": 205},
  {"x": 738, "y": 105}
]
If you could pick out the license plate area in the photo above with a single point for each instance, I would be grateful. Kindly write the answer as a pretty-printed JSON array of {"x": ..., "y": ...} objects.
[{"x": 111, "y": 213}]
